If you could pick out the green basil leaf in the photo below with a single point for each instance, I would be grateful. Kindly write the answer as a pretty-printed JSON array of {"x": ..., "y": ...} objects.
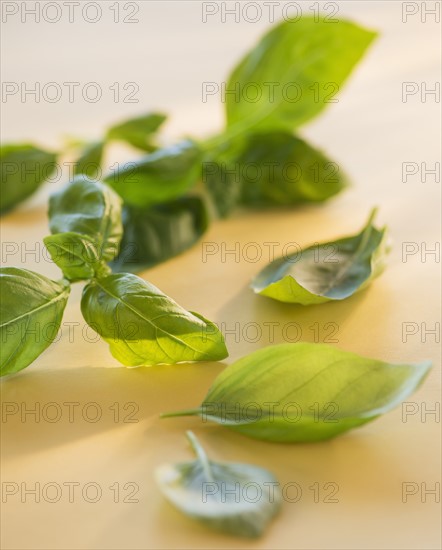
[
  {"x": 161, "y": 176},
  {"x": 23, "y": 169},
  {"x": 291, "y": 75},
  {"x": 78, "y": 256},
  {"x": 89, "y": 162},
  {"x": 305, "y": 392},
  {"x": 324, "y": 272},
  {"x": 31, "y": 309},
  {"x": 137, "y": 131},
  {"x": 153, "y": 235},
  {"x": 215, "y": 493},
  {"x": 89, "y": 208},
  {"x": 281, "y": 169},
  {"x": 143, "y": 326}
]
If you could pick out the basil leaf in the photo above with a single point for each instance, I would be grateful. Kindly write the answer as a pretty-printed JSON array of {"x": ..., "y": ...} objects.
[
  {"x": 90, "y": 160},
  {"x": 163, "y": 175},
  {"x": 23, "y": 169},
  {"x": 137, "y": 131},
  {"x": 215, "y": 493},
  {"x": 89, "y": 208},
  {"x": 292, "y": 73},
  {"x": 76, "y": 255},
  {"x": 143, "y": 326},
  {"x": 153, "y": 235},
  {"x": 324, "y": 272},
  {"x": 305, "y": 392},
  {"x": 282, "y": 169},
  {"x": 31, "y": 309}
]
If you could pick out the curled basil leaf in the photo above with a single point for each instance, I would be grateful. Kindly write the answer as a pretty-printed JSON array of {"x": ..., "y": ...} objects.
[
  {"x": 31, "y": 309},
  {"x": 324, "y": 272},
  {"x": 78, "y": 256},
  {"x": 23, "y": 169},
  {"x": 89, "y": 162},
  {"x": 153, "y": 235},
  {"x": 143, "y": 326},
  {"x": 137, "y": 131},
  {"x": 305, "y": 392},
  {"x": 216, "y": 493},
  {"x": 88, "y": 208},
  {"x": 161, "y": 176},
  {"x": 292, "y": 74}
]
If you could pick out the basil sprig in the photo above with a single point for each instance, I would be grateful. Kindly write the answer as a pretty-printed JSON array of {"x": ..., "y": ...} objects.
[{"x": 142, "y": 325}]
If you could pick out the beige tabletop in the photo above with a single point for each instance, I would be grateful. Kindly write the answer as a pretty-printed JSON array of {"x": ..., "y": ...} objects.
[{"x": 91, "y": 445}]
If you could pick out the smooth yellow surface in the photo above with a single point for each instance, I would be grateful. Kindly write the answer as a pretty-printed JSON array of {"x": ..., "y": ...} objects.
[{"x": 370, "y": 133}]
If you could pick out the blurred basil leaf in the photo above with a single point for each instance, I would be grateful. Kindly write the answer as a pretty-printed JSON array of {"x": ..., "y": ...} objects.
[
  {"x": 329, "y": 271},
  {"x": 89, "y": 163},
  {"x": 153, "y": 235},
  {"x": 89, "y": 208},
  {"x": 293, "y": 72},
  {"x": 305, "y": 392},
  {"x": 143, "y": 326},
  {"x": 282, "y": 169},
  {"x": 76, "y": 255},
  {"x": 161, "y": 176},
  {"x": 31, "y": 309},
  {"x": 215, "y": 493},
  {"x": 23, "y": 169},
  {"x": 138, "y": 131}
]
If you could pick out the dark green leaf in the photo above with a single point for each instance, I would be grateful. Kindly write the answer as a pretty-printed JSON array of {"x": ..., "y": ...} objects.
[
  {"x": 76, "y": 255},
  {"x": 305, "y": 392},
  {"x": 153, "y": 235},
  {"x": 281, "y": 169},
  {"x": 161, "y": 176},
  {"x": 217, "y": 493},
  {"x": 143, "y": 326},
  {"x": 138, "y": 131},
  {"x": 31, "y": 309},
  {"x": 292, "y": 73},
  {"x": 89, "y": 162},
  {"x": 23, "y": 169},
  {"x": 89, "y": 208},
  {"x": 329, "y": 271}
]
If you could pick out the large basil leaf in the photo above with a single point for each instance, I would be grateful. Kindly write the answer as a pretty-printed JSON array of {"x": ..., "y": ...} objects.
[
  {"x": 292, "y": 73},
  {"x": 153, "y": 235},
  {"x": 89, "y": 162},
  {"x": 216, "y": 493},
  {"x": 23, "y": 169},
  {"x": 323, "y": 272},
  {"x": 281, "y": 169},
  {"x": 163, "y": 175},
  {"x": 143, "y": 326},
  {"x": 305, "y": 392},
  {"x": 31, "y": 309},
  {"x": 76, "y": 255},
  {"x": 137, "y": 131},
  {"x": 89, "y": 208}
]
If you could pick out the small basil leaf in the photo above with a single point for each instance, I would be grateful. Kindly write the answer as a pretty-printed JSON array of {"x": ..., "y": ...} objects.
[
  {"x": 161, "y": 176},
  {"x": 78, "y": 256},
  {"x": 143, "y": 326},
  {"x": 23, "y": 169},
  {"x": 31, "y": 309},
  {"x": 215, "y": 493},
  {"x": 89, "y": 208},
  {"x": 324, "y": 272},
  {"x": 137, "y": 131},
  {"x": 153, "y": 235},
  {"x": 305, "y": 392},
  {"x": 293, "y": 73},
  {"x": 281, "y": 169},
  {"x": 90, "y": 160}
]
